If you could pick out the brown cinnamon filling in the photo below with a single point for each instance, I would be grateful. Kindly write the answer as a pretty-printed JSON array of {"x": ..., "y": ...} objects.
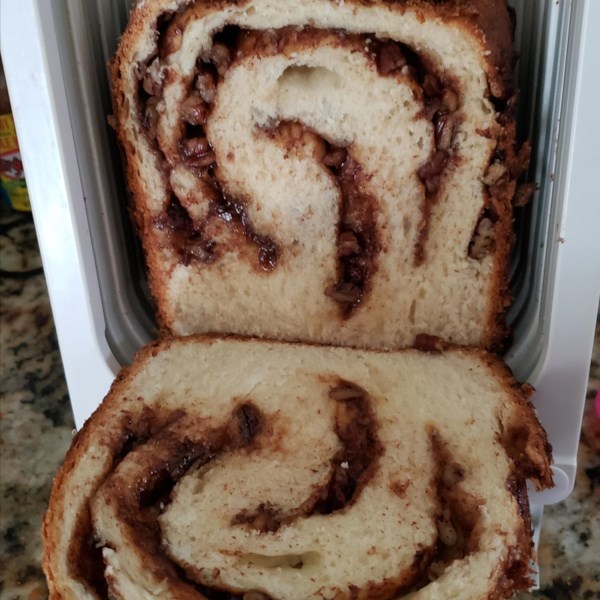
[
  {"x": 429, "y": 343},
  {"x": 458, "y": 517},
  {"x": 84, "y": 555},
  {"x": 185, "y": 235},
  {"x": 518, "y": 440},
  {"x": 483, "y": 240},
  {"x": 155, "y": 453},
  {"x": 356, "y": 462},
  {"x": 441, "y": 105},
  {"x": 357, "y": 242},
  {"x": 192, "y": 240},
  {"x": 163, "y": 450},
  {"x": 357, "y": 234},
  {"x": 213, "y": 594},
  {"x": 351, "y": 468}
]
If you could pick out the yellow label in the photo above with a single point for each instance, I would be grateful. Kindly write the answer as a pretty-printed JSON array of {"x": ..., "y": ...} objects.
[
  {"x": 14, "y": 189},
  {"x": 8, "y": 135}
]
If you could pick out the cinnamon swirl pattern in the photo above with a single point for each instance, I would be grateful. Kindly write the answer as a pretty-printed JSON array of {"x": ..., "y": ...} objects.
[
  {"x": 333, "y": 172},
  {"x": 224, "y": 468}
]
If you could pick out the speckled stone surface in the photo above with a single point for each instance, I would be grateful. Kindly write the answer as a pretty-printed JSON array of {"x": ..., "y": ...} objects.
[
  {"x": 36, "y": 429},
  {"x": 35, "y": 417}
]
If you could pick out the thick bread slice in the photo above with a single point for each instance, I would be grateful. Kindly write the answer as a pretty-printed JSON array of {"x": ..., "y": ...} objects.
[
  {"x": 291, "y": 471},
  {"x": 323, "y": 171}
]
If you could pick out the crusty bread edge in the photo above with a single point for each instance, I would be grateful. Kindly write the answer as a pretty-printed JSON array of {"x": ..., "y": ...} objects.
[{"x": 53, "y": 521}]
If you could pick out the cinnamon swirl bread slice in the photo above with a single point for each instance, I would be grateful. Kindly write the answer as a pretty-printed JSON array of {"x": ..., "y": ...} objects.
[
  {"x": 228, "y": 468},
  {"x": 333, "y": 172}
]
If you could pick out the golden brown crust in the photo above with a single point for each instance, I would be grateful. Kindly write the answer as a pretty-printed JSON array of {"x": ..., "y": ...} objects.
[
  {"x": 524, "y": 438},
  {"x": 138, "y": 210},
  {"x": 54, "y": 516},
  {"x": 487, "y": 19},
  {"x": 493, "y": 23},
  {"x": 502, "y": 194}
]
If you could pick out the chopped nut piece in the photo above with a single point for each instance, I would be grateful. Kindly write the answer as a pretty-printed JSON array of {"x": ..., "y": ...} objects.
[
  {"x": 390, "y": 58},
  {"x": 444, "y": 131},
  {"x": 194, "y": 110},
  {"x": 348, "y": 244},
  {"x": 220, "y": 56},
  {"x": 430, "y": 171},
  {"x": 484, "y": 240},
  {"x": 205, "y": 84},
  {"x": 335, "y": 158}
]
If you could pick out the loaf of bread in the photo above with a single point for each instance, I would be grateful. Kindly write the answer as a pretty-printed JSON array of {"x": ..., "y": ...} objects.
[
  {"x": 230, "y": 468},
  {"x": 332, "y": 171},
  {"x": 338, "y": 172}
]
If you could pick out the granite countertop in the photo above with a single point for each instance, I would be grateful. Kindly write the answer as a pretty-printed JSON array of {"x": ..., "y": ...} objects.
[{"x": 36, "y": 429}]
